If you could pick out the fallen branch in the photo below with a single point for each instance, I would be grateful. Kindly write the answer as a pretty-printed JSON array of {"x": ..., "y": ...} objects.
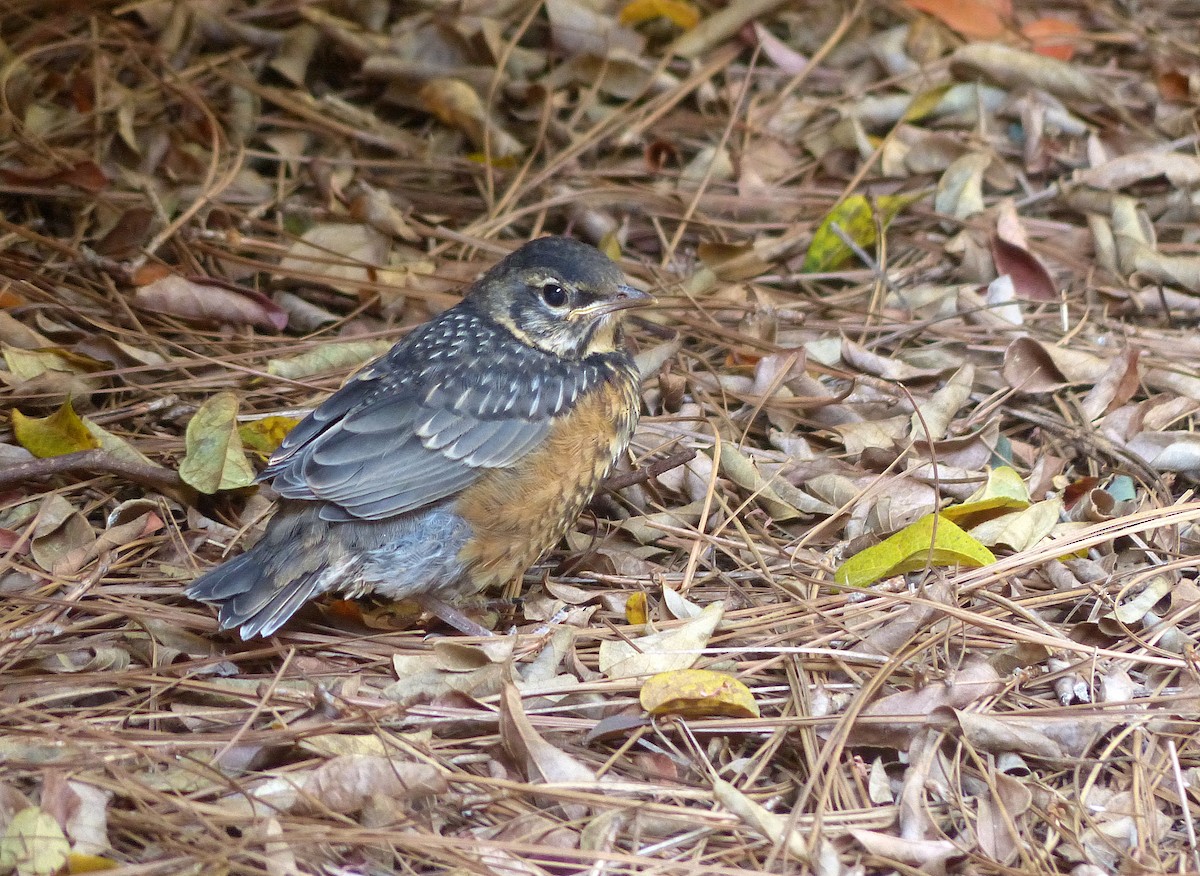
[
  {"x": 650, "y": 470},
  {"x": 93, "y": 462}
]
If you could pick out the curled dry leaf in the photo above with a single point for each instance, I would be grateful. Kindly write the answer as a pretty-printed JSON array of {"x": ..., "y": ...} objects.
[
  {"x": 577, "y": 28},
  {"x": 342, "y": 255},
  {"x": 720, "y": 26},
  {"x": 673, "y": 649},
  {"x": 960, "y": 188},
  {"x": 342, "y": 784},
  {"x": 778, "y": 829},
  {"x": 1116, "y": 386},
  {"x": 910, "y": 711},
  {"x": 697, "y": 693},
  {"x": 1030, "y": 366},
  {"x": 928, "y": 855},
  {"x": 457, "y": 104},
  {"x": 1021, "y": 530},
  {"x": 191, "y": 299},
  {"x": 996, "y": 733},
  {"x": 327, "y": 358},
  {"x": 932, "y": 419},
  {"x": 1181, "y": 171},
  {"x": 1168, "y": 451},
  {"x": 541, "y": 761},
  {"x": 1016, "y": 68},
  {"x": 1030, "y": 278}
]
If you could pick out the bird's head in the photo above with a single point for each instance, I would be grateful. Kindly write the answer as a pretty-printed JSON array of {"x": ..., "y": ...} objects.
[{"x": 560, "y": 296}]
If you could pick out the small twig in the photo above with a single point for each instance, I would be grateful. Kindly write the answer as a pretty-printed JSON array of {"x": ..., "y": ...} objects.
[
  {"x": 95, "y": 462},
  {"x": 650, "y": 470}
]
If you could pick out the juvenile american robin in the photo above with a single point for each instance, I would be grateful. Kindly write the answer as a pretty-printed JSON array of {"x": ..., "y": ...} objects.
[{"x": 455, "y": 460}]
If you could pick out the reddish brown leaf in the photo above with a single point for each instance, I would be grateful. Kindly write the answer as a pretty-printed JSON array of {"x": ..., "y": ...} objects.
[
  {"x": 1172, "y": 85},
  {"x": 1030, "y": 278},
  {"x": 1029, "y": 368},
  {"x": 974, "y": 19},
  {"x": 128, "y": 235},
  {"x": 85, "y": 175},
  {"x": 200, "y": 300},
  {"x": 1053, "y": 37}
]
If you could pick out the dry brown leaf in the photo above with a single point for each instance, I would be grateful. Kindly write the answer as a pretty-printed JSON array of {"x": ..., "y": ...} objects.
[
  {"x": 191, "y": 299},
  {"x": 1015, "y": 68},
  {"x": 341, "y": 784}
]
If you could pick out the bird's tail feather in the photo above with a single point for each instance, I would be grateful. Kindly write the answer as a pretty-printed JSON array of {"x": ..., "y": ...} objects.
[{"x": 253, "y": 595}]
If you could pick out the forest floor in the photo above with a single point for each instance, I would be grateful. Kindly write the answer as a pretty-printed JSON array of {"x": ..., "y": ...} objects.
[{"x": 899, "y": 575}]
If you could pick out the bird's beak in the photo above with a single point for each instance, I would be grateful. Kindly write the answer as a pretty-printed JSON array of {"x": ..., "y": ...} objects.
[{"x": 626, "y": 298}]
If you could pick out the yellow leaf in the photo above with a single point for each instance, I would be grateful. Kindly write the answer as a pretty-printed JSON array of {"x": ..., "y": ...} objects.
[
  {"x": 81, "y": 863},
  {"x": 698, "y": 693},
  {"x": 500, "y": 162},
  {"x": 267, "y": 434},
  {"x": 1003, "y": 492},
  {"x": 931, "y": 541},
  {"x": 856, "y": 219},
  {"x": 610, "y": 246},
  {"x": 215, "y": 459},
  {"x": 683, "y": 15},
  {"x": 61, "y": 432},
  {"x": 635, "y": 609}
]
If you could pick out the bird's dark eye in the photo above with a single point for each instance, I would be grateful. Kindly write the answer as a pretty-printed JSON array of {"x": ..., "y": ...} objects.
[{"x": 554, "y": 295}]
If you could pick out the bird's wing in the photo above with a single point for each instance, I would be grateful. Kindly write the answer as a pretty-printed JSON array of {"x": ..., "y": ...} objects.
[{"x": 410, "y": 431}]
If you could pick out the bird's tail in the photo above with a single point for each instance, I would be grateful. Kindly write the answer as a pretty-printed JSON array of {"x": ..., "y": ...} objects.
[{"x": 255, "y": 592}]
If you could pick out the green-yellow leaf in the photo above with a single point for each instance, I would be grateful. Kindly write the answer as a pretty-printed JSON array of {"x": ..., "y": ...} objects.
[
  {"x": 33, "y": 844},
  {"x": 267, "y": 434},
  {"x": 855, "y": 217},
  {"x": 60, "y": 433},
  {"x": 28, "y": 364},
  {"x": 931, "y": 541},
  {"x": 1003, "y": 492},
  {"x": 324, "y": 358},
  {"x": 215, "y": 459}
]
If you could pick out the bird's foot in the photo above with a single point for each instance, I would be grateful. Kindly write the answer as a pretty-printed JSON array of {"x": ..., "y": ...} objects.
[{"x": 451, "y": 615}]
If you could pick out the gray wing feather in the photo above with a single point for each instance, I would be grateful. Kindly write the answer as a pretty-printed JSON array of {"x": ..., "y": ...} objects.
[
  {"x": 370, "y": 472},
  {"x": 413, "y": 430},
  {"x": 508, "y": 445}
]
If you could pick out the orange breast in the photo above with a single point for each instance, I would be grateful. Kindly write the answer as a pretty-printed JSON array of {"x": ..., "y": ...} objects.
[{"x": 520, "y": 512}]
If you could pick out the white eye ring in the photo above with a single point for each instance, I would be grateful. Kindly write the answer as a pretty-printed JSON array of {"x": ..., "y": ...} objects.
[{"x": 554, "y": 295}]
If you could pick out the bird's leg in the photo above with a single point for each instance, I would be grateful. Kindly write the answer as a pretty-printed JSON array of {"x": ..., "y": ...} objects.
[{"x": 451, "y": 615}]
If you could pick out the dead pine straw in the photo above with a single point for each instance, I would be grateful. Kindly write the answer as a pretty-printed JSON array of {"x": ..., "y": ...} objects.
[{"x": 910, "y": 257}]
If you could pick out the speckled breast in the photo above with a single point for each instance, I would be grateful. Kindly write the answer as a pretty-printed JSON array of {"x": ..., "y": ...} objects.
[{"x": 516, "y": 514}]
